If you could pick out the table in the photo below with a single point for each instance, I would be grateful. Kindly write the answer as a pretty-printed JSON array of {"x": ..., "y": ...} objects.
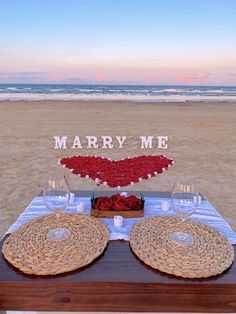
[{"x": 116, "y": 281}]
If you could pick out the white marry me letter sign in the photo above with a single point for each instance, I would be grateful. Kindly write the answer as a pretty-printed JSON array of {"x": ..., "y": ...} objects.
[{"x": 108, "y": 142}]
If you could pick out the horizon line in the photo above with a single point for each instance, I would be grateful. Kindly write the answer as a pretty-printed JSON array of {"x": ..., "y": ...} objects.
[{"x": 123, "y": 84}]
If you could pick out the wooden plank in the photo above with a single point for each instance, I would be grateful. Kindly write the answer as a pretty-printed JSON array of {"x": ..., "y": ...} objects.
[
  {"x": 111, "y": 213},
  {"x": 117, "y": 281}
]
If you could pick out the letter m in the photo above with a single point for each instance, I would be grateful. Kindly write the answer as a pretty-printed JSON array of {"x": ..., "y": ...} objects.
[
  {"x": 60, "y": 142},
  {"x": 146, "y": 141}
]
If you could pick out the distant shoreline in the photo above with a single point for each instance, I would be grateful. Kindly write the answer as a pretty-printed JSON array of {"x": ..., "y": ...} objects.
[
  {"x": 112, "y": 93},
  {"x": 116, "y": 101},
  {"x": 89, "y": 100}
]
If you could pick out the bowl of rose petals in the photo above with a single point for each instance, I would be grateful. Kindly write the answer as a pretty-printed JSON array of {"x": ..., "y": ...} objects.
[{"x": 127, "y": 205}]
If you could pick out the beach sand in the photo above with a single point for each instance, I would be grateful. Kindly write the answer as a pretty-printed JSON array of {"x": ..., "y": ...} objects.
[{"x": 201, "y": 141}]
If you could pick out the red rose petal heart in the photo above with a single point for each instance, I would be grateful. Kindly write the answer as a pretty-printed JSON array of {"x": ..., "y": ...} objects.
[{"x": 117, "y": 173}]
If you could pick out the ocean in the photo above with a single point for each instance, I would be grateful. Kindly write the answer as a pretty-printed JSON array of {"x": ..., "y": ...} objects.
[{"x": 139, "y": 93}]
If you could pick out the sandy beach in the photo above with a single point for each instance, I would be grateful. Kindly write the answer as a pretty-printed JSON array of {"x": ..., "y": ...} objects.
[{"x": 201, "y": 141}]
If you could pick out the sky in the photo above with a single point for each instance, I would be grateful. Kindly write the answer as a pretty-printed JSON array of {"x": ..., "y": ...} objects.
[{"x": 165, "y": 42}]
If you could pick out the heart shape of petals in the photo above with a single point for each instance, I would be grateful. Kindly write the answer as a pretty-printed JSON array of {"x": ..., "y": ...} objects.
[{"x": 117, "y": 173}]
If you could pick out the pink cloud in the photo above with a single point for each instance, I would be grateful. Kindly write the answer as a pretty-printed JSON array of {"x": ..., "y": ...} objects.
[
  {"x": 149, "y": 78},
  {"x": 99, "y": 77},
  {"x": 231, "y": 74},
  {"x": 192, "y": 78},
  {"x": 56, "y": 77}
]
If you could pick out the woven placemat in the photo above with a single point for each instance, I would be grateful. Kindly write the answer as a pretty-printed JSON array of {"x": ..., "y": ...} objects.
[
  {"x": 210, "y": 254},
  {"x": 29, "y": 250}
]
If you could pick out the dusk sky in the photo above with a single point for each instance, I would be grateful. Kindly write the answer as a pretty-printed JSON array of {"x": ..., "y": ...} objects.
[{"x": 118, "y": 41}]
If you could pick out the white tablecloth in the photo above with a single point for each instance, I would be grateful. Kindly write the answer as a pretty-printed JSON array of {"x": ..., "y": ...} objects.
[{"x": 206, "y": 213}]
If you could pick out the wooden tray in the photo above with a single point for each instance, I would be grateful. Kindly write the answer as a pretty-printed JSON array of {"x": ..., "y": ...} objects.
[{"x": 111, "y": 213}]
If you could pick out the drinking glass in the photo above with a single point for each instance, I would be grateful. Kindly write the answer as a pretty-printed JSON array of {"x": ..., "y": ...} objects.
[
  {"x": 56, "y": 198},
  {"x": 184, "y": 202}
]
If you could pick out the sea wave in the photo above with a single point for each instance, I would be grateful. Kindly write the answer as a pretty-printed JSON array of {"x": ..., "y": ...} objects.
[
  {"x": 215, "y": 91},
  {"x": 115, "y": 97},
  {"x": 176, "y": 91},
  {"x": 12, "y": 88},
  {"x": 90, "y": 90},
  {"x": 56, "y": 89},
  {"x": 187, "y": 90},
  {"x": 171, "y": 90},
  {"x": 137, "y": 90}
]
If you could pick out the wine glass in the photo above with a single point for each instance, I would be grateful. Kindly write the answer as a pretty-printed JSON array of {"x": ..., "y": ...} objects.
[
  {"x": 184, "y": 202},
  {"x": 56, "y": 198}
]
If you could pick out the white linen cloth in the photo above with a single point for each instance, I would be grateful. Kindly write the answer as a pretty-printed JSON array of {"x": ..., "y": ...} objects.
[{"x": 206, "y": 213}]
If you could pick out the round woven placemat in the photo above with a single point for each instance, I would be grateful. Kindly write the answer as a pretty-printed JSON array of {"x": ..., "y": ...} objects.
[
  {"x": 29, "y": 250},
  {"x": 210, "y": 254}
]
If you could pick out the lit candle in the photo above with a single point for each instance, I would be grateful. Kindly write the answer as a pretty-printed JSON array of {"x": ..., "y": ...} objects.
[
  {"x": 81, "y": 208},
  {"x": 118, "y": 221},
  {"x": 165, "y": 206}
]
